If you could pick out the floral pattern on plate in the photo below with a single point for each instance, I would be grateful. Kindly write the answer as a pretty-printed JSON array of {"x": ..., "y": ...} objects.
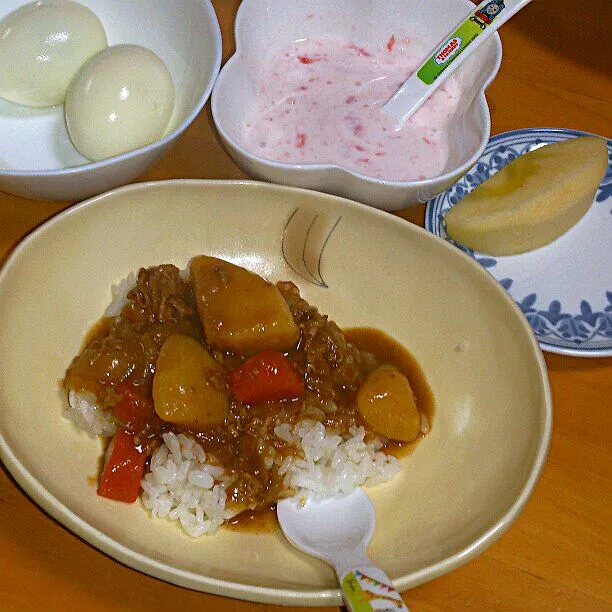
[{"x": 564, "y": 288}]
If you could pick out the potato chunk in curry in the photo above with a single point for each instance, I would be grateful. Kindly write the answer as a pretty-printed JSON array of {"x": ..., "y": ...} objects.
[
  {"x": 189, "y": 385},
  {"x": 239, "y": 310},
  {"x": 386, "y": 402}
]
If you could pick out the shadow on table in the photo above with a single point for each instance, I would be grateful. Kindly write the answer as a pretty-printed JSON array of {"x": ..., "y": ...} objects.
[
  {"x": 560, "y": 363},
  {"x": 577, "y": 31}
]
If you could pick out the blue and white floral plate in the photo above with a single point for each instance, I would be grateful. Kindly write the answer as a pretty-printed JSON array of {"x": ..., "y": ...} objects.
[{"x": 564, "y": 288}]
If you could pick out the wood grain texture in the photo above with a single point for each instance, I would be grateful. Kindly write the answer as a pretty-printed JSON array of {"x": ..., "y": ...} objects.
[{"x": 556, "y": 72}]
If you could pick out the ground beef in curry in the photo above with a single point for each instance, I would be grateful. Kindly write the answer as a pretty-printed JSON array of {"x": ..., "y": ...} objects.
[{"x": 121, "y": 356}]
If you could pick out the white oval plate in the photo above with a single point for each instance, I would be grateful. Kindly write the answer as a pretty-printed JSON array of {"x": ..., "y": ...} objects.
[
  {"x": 564, "y": 288},
  {"x": 460, "y": 489}
]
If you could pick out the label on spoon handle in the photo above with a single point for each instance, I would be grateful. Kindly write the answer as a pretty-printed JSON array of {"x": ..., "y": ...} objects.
[
  {"x": 364, "y": 593},
  {"x": 478, "y": 21}
]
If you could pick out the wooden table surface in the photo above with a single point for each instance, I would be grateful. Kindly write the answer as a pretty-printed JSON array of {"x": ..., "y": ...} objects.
[{"x": 555, "y": 72}]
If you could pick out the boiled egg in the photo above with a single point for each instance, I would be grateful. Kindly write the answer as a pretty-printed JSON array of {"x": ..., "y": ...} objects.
[
  {"x": 42, "y": 45},
  {"x": 120, "y": 99}
]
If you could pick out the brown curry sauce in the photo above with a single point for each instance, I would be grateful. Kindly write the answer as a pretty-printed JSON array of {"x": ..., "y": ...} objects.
[
  {"x": 386, "y": 349},
  {"x": 333, "y": 364}
]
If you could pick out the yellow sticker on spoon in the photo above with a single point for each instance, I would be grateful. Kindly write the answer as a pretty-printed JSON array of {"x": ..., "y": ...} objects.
[{"x": 364, "y": 594}]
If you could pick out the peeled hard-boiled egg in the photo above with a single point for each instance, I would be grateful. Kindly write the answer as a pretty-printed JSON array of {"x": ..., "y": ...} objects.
[
  {"x": 121, "y": 99},
  {"x": 42, "y": 45}
]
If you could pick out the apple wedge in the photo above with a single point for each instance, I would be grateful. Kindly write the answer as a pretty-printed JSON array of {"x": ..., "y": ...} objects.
[{"x": 533, "y": 200}]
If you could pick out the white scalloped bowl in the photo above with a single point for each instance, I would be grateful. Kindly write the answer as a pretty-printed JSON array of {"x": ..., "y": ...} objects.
[
  {"x": 37, "y": 157},
  {"x": 263, "y": 27}
]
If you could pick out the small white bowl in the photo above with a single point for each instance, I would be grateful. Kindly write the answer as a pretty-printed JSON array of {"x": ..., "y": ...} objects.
[
  {"x": 37, "y": 157},
  {"x": 263, "y": 27}
]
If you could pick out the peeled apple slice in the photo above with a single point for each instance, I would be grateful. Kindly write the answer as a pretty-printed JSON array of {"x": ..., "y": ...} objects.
[
  {"x": 386, "y": 402},
  {"x": 533, "y": 200}
]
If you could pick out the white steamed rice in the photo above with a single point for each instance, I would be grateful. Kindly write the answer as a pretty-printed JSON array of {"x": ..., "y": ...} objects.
[
  {"x": 83, "y": 411},
  {"x": 182, "y": 485},
  {"x": 119, "y": 293},
  {"x": 332, "y": 464}
]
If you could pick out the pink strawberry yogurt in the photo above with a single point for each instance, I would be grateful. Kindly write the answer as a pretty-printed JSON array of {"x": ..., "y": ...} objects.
[{"x": 318, "y": 101}]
